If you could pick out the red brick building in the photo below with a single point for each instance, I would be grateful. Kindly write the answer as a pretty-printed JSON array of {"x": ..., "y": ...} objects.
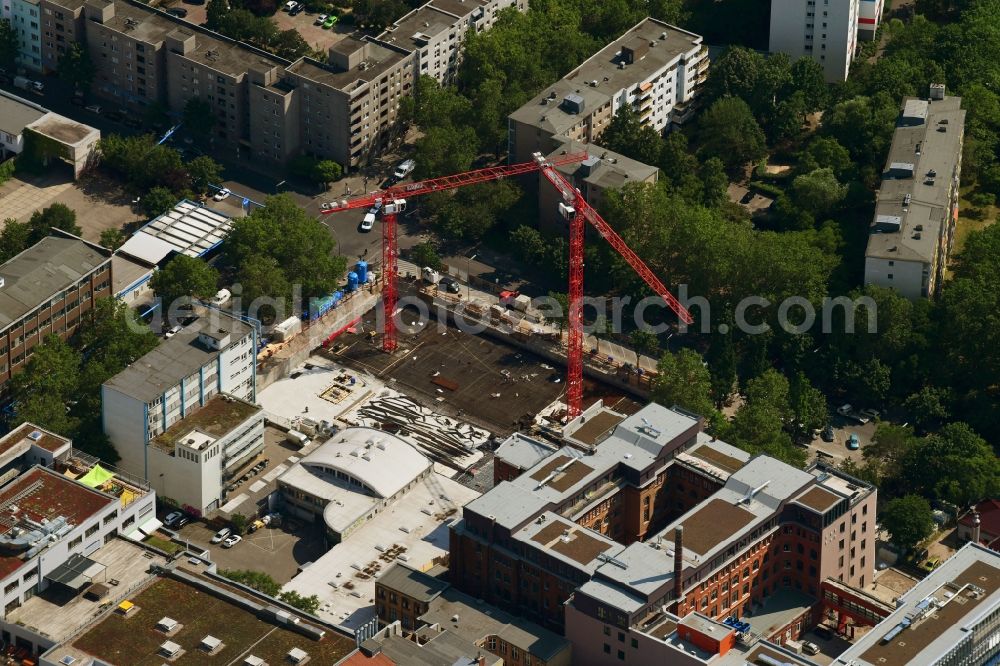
[{"x": 45, "y": 290}]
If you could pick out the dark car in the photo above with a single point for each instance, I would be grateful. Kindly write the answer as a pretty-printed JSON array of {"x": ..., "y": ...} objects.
[
  {"x": 823, "y": 632},
  {"x": 133, "y": 121},
  {"x": 115, "y": 116},
  {"x": 78, "y": 100},
  {"x": 296, "y": 10},
  {"x": 179, "y": 12},
  {"x": 449, "y": 285},
  {"x": 827, "y": 434}
]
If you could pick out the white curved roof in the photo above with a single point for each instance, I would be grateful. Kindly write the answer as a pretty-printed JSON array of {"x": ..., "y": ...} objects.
[{"x": 381, "y": 461}]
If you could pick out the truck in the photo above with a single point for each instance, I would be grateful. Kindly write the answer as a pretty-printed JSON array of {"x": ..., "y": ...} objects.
[{"x": 24, "y": 83}]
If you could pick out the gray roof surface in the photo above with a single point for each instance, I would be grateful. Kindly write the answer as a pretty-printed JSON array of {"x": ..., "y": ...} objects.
[
  {"x": 445, "y": 649},
  {"x": 379, "y": 57},
  {"x": 927, "y": 641},
  {"x": 427, "y": 21},
  {"x": 523, "y": 451},
  {"x": 477, "y": 620},
  {"x": 174, "y": 359},
  {"x": 43, "y": 270},
  {"x": 604, "y": 64},
  {"x": 509, "y": 504},
  {"x": 940, "y": 151},
  {"x": 17, "y": 113},
  {"x": 412, "y": 583},
  {"x": 612, "y": 170}
]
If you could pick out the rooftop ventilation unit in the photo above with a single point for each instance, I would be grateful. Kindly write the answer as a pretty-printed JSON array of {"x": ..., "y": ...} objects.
[
  {"x": 573, "y": 103},
  {"x": 35, "y": 435}
]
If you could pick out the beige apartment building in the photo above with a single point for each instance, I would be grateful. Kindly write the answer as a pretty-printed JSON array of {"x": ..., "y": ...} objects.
[{"x": 265, "y": 107}]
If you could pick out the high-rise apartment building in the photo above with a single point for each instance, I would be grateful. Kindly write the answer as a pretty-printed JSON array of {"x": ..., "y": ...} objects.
[{"x": 824, "y": 30}]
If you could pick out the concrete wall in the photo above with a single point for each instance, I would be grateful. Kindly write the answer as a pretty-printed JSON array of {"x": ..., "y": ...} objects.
[
  {"x": 907, "y": 276},
  {"x": 837, "y": 20},
  {"x": 124, "y": 420}
]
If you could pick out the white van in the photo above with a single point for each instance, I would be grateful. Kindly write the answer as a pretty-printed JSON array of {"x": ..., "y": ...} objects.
[
  {"x": 404, "y": 170},
  {"x": 297, "y": 438},
  {"x": 221, "y": 297}
]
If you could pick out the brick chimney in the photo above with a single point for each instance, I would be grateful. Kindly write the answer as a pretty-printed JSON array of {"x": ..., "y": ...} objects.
[{"x": 678, "y": 568}]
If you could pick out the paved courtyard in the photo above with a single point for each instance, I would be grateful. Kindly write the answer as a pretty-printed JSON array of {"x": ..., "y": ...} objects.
[{"x": 99, "y": 203}]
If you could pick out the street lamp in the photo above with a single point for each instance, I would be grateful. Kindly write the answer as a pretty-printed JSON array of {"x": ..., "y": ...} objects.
[{"x": 468, "y": 276}]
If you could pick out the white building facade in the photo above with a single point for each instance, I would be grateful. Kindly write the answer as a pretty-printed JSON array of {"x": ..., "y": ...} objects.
[
  {"x": 26, "y": 21},
  {"x": 824, "y": 30},
  {"x": 216, "y": 354}
]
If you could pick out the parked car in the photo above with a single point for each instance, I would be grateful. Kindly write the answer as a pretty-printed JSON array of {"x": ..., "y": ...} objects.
[
  {"x": 174, "y": 330},
  {"x": 873, "y": 414},
  {"x": 845, "y": 409},
  {"x": 810, "y": 648},
  {"x": 298, "y": 10},
  {"x": 179, "y": 12},
  {"x": 94, "y": 108},
  {"x": 853, "y": 443},
  {"x": 222, "y": 194},
  {"x": 329, "y": 22},
  {"x": 290, "y": 5},
  {"x": 133, "y": 121},
  {"x": 221, "y": 535},
  {"x": 181, "y": 522},
  {"x": 255, "y": 525},
  {"x": 827, "y": 434},
  {"x": 319, "y": 19},
  {"x": 932, "y": 563},
  {"x": 78, "y": 99},
  {"x": 368, "y": 222},
  {"x": 231, "y": 540},
  {"x": 172, "y": 518},
  {"x": 114, "y": 116},
  {"x": 449, "y": 285}
]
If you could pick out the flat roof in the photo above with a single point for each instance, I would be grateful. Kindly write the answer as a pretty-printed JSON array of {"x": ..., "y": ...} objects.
[
  {"x": 919, "y": 201},
  {"x": 32, "y": 435},
  {"x": 416, "y": 28},
  {"x": 135, "y": 639},
  {"x": 713, "y": 455},
  {"x": 127, "y": 271},
  {"x": 594, "y": 428},
  {"x": 478, "y": 620},
  {"x": 187, "y": 228},
  {"x": 17, "y": 113},
  {"x": 36, "y": 275},
  {"x": 64, "y": 130},
  {"x": 603, "y": 68},
  {"x": 603, "y": 168},
  {"x": 175, "y": 358},
  {"x": 522, "y": 451},
  {"x": 959, "y": 595},
  {"x": 380, "y": 59},
  {"x": 221, "y": 414},
  {"x": 818, "y": 499},
  {"x": 412, "y": 583},
  {"x": 567, "y": 541},
  {"x": 41, "y": 493},
  {"x": 712, "y": 523},
  {"x": 778, "y": 610},
  {"x": 443, "y": 649}
]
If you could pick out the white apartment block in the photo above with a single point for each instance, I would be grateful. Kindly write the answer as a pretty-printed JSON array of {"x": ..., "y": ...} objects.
[
  {"x": 192, "y": 462},
  {"x": 824, "y": 30},
  {"x": 214, "y": 354},
  {"x": 655, "y": 68},
  {"x": 869, "y": 16},
  {"x": 435, "y": 32}
]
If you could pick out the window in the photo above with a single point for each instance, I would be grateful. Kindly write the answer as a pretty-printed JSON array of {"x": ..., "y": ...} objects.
[{"x": 607, "y": 649}]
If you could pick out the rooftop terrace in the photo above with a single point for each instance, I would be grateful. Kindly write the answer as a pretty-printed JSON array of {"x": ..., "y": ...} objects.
[{"x": 216, "y": 418}]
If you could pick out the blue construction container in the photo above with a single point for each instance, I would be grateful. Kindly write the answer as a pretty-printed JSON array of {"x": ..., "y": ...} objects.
[
  {"x": 362, "y": 270},
  {"x": 320, "y": 306},
  {"x": 352, "y": 281}
]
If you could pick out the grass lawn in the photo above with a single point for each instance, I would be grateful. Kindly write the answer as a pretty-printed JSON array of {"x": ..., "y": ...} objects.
[
  {"x": 168, "y": 547},
  {"x": 966, "y": 225}
]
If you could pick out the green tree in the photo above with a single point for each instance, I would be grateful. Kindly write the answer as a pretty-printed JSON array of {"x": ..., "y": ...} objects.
[
  {"x": 715, "y": 182},
  {"x": 142, "y": 163},
  {"x": 445, "y": 150},
  {"x": 529, "y": 244},
  {"x": 289, "y": 44},
  {"x": 908, "y": 520},
  {"x": 721, "y": 357},
  {"x": 727, "y": 130},
  {"x": 48, "y": 382},
  {"x": 112, "y": 238},
  {"x": 628, "y": 136},
  {"x": 644, "y": 341},
  {"x": 57, "y": 216},
  {"x": 376, "y": 15},
  {"x": 954, "y": 464},
  {"x": 885, "y": 455},
  {"x": 198, "y": 118},
  {"x": 424, "y": 254},
  {"x": 807, "y": 78},
  {"x": 808, "y": 405},
  {"x": 305, "y": 604},
  {"x": 327, "y": 171},
  {"x": 157, "y": 201},
  {"x": 10, "y": 45},
  {"x": 239, "y": 523},
  {"x": 682, "y": 379},
  {"x": 758, "y": 426},
  {"x": 300, "y": 244},
  {"x": 13, "y": 238},
  {"x": 473, "y": 211},
  {"x": 183, "y": 278},
  {"x": 203, "y": 171},
  {"x": 216, "y": 13},
  {"x": 824, "y": 152},
  {"x": 819, "y": 192},
  {"x": 260, "y": 277},
  {"x": 257, "y": 580},
  {"x": 928, "y": 406},
  {"x": 76, "y": 68}
]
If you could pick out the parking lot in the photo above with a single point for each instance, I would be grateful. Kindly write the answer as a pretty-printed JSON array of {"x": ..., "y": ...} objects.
[
  {"x": 837, "y": 451},
  {"x": 316, "y": 36},
  {"x": 277, "y": 551}
]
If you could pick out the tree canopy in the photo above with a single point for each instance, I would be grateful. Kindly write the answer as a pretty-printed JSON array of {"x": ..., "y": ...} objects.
[
  {"x": 908, "y": 520},
  {"x": 184, "y": 278}
]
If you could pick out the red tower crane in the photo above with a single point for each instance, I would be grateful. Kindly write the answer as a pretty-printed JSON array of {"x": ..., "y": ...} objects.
[{"x": 574, "y": 208}]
